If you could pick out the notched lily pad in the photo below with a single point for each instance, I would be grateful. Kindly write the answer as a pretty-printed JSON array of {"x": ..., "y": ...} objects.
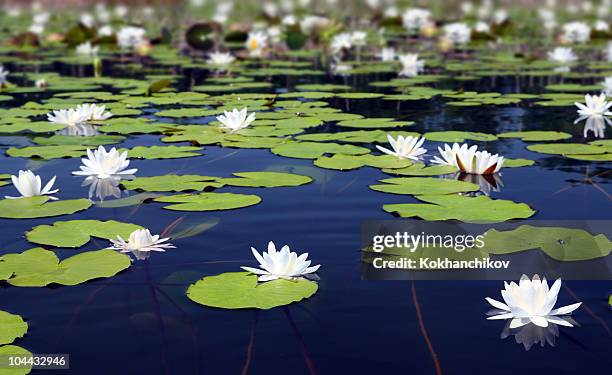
[
  {"x": 240, "y": 290},
  {"x": 76, "y": 233},
  {"x": 265, "y": 179},
  {"x": 34, "y": 207},
  {"x": 424, "y": 185},
  {"x": 208, "y": 201}
]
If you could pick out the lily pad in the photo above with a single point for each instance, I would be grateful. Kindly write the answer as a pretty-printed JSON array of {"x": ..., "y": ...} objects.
[
  {"x": 374, "y": 123},
  {"x": 313, "y": 150},
  {"x": 162, "y": 152},
  {"x": 566, "y": 149},
  {"x": 535, "y": 136},
  {"x": 33, "y": 207},
  {"x": 347, "y": 162},
  {"x": 48, "y": 152},
  {"x": 15, "y": 351},
  {"x": 419, "y": 169},
  {"x": 265, "y": 179},
  {"x": 11, "y": 327},
  {"x": 39, "y": 267},
  {"x": 240, "y": 290},
  {"x": 562, "y": 244},
  {"x": 458, "y": 136},
  {"x": 208, "y": 201},
  {"x": 467, "y": 209},
  {"x": 424, "y": 185},
  {"x": 76, "y": 233},
  {"x": 171, "y": 182}
]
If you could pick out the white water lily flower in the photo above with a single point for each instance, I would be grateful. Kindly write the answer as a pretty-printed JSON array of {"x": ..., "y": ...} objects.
[
  {"x": 387, "y": 54},
  {"x": 3, "y": 74},
  {"x": 358, "y": 38},
  {"x": 458, "y": 33},
  {"x": 141, "y": 240},
  {"x": 415, "y": 18},
  {"x": 86, "y": 49},
  {"x": 607, "y": 84},
  {"x": 106, "y": 30},
  {"x": 68, "y": 117},
  {"x": 595, "y": 105},
  {"x": 608, "y": 52},
  {"x": 95, "y": 112},
  {"x": 236, "y": 120},
  {"x": 220, "y": 59},
  {"x": 41, "y": 83},
  {"x": 129, "y": 37},
  {"x": 531, "y": 301},
  {"x": 87, "y": 20},
  {"x": 256, "y": 43},
  {"x": 29, "y": 185},
  {"x": 482, "y": 27},
  {"x": 283, "y": 264},
  {"x": 562, "y": 55},
  {"x": 411, "y": 65},
  {"x": 340, "y": 42},
  {"x": 312, "y": 23},
  {"x": 576, "y": 32},
  {"x": 105, "y": 164},
  {"x": 405, "y": 147},
  {"x": 468, "y": 159},
  {"x": 601, "y": 25}
]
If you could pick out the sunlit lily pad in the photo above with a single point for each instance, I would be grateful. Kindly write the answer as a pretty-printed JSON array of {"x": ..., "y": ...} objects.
[
  {"x": 458, "y": 136},
  {"x": 566, "y": 149},
  {"x": 48, "y": 152},
  {"x": 162, "y": 152},
  {"x": 39, "y": 267},
  {"x": 424, "y": 185},
  {"x": 82, "y": 141},
  {"x": 516, "y": 163},
  {"x": 33, "y": 207},
  {"x": 15, "y": 351},
  {"x": 419, "y": 169},
  {"x": 313, "y": 150},
  {"x": 11, "y": 327},
  {"x": 463, "y": 208},
  {"x": 171, "y": 182},
  {"x": 208, "y": 201},
  {"x": 76, "y": 233},
  {"x": 563, "y": 244},
  {"x": 240, "y": 290},
  {"x": 374, "y": 123},
  {"x": 265, "y": 179},
  {"x": 535, "y": 135},
  {"x": 346, "y": 162}
]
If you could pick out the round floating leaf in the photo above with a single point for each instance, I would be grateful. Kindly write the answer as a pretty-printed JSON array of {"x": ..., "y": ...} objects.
[
  {"x": 33, "y": 207},
  {"x": 515, "y": 163},
  {"x": 265, "y": 179},
  {"x": 313, "y": 150},
  {"x": 563, "y": 244},
  {"x": 47, "y": 152},
  {"x": 566, "y": 149},
  {"x": 424, "y": 185},
  {"x": 15, "y": 351},
  {"x": 467, "y": 209},
  {"x": 162, "y": 152},
  {"x": 373, "y": 123},
  {"x": 357, "y": 136},
  {"x": 458, "y": 136},
  {"x": 322, "y": 87},
  {"x": 240, "y": 290},
  {"x": 11, "y": 327},
  {"x": 171, "y": 183},
  {"x": 599, "y": 157},
  {"x": 39, "y": 267},
  {"x": 76, "y": 233},
  {"x": 208, "y": 201},
  {"x": 347, "y": 162},
  {"x": 419, "y": 169},
  {"x": 535, "y": 136},
  {"x": 81, "y": 141}
]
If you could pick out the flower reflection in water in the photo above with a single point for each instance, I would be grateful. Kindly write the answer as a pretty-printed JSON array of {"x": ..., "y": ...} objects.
[
  {"x": 596, "y": 124},
  {"x": 81, "y": 130},
  {"x": 531, "y": 334},
  {"x": 488, "y": 182},
  {"x": 103, "y": 187}
]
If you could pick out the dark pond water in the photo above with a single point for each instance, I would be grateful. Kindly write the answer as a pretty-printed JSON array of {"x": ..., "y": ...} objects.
[{"x": 140, "y": 322}]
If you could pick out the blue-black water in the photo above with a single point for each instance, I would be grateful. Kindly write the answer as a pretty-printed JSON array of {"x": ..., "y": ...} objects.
[{"x": 140, "y": 321}]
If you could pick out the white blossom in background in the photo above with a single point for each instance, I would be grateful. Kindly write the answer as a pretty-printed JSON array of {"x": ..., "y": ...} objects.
[
  {"x": 129, "y": 37},
  {"x": 601, "y": 26},
  {"x": 607, "y": 86},
  {"x": 311, "y": 23},
  {"x": 121, "y": 11},
  {"x": 531, "y": 301},
  {"x": 41, "y": 83},
  {"x": 106, "y": 30},
  {"x": 576, "y": 32},
  {"x": 3, "y": 76},
  {"x": 87, "y": 20},
  {"x": 359, "y": 38},
  {"x": 30, "y": 185},
  {"x": 391, "y": 12},
  {"x": 414, "y": 19},
  {"x": 274, "y": 33},
  {"x": 340, "y": 42},
  {"x": 102, "y": 13},
  {"x": 562, "y": 55},
  {"x": 411, "y": 66},
  {"x": 87, "y": 49},
  {"x": 271, "y": 9},
  {"x": 221, "y": 60},
  {"x": 256, "y": 43},
  {"x": 289, "y": 20},
  {"x": 500, "y": 16},
  {"x": 548, "y": 18},
  {"x": 466, "y": 7},
  {"x": 283, "y": 264},
  {"x": 482, "y": 27},
  {"x": 36, "y": 28},
  {"x": 387, "y": 54},
  {"x": 458, "y": 33}
]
